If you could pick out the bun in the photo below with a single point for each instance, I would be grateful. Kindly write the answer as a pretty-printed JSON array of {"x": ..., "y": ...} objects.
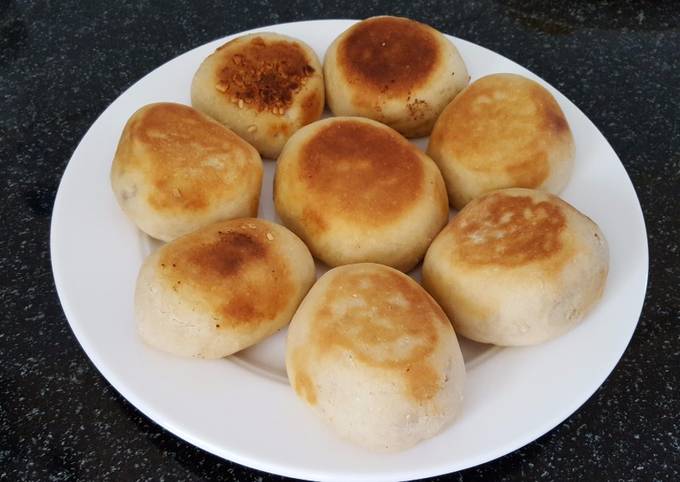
[
  {"x": 393, "y": 70},
  {"x": 517, "y": 267},
  {"x": 503, "y": 131},
  {"x": 356, "y": 191},
  {"x": 176, "y": 170},
  {"x": 222, "y": 288},
  {"x": 375, "y": 357},
  {"x": 264, "y": 86}
]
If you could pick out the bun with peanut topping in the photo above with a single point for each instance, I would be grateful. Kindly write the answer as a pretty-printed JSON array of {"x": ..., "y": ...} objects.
[{"x": 263, "y": 86}]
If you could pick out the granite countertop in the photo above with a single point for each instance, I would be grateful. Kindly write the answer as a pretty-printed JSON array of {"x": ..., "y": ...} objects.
[{"x": 62, "y": 63}]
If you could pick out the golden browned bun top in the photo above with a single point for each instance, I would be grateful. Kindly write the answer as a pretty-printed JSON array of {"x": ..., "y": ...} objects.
[
  {"x": 360, "y": 170},
  {"x": 234, "y": 269},
  {"x": 384, "y": 319},
  {"x": 184, "y": 156},
  {"x": 389, "y": 54},
  {"x": 511, "y": 227},
  {"x": 262, "y": 72},
  {"x": 504, "y": 120}
]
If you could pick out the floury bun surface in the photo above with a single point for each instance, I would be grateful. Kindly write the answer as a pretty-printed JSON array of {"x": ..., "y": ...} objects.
[
  {"x": 263, "y": 86},
  {"x": 393, "y": 70},
  {"x": 222, "y": 288},
  {"x": 375, "y": 357},
  {"x": 357, "y": 191},
  {"x": 176, "y": 170},
  {"x": 517, "y": 267},
  {"x": 503, "y": 131}
]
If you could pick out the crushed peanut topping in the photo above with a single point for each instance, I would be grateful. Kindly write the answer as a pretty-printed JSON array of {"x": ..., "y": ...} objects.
[{"x": 265, "y": 76}]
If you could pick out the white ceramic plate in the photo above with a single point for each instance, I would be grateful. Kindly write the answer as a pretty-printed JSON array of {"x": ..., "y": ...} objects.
[{"x": 242, "y": 408}]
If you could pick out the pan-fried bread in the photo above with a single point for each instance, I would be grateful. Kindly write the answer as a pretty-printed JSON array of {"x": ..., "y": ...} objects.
[
  {"x": 394, "y": 70},
  {"x": 263, "y": 86},
  {"x": 373, "y": 355},
  {"x": 503, "y": 131},
  {"x": 176, "y": 170},
  {"x": 517, "y": 267},
  {"x": 356, "y": 191},
  {"x": 222, "y": 288}
]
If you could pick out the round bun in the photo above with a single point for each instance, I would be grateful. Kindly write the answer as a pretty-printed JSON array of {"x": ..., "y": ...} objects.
[
  {"x": 517, "y": 267},
  {"x": 394, "y": 70},
  {"x": 375, "y": 357},
  {"x": 176, "y": 170},
  {"x": 355, "y": 190},
  {"x": 264, "y": 86},
  {"x": 503, "y": 131},
  {"x": 222, "y": 288}
]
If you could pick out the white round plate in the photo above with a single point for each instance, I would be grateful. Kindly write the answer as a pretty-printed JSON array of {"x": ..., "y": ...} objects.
[{"x": 242, "y": 408}]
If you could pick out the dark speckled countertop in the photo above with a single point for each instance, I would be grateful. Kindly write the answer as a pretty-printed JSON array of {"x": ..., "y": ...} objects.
[{"x": 62, "y": 63}]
